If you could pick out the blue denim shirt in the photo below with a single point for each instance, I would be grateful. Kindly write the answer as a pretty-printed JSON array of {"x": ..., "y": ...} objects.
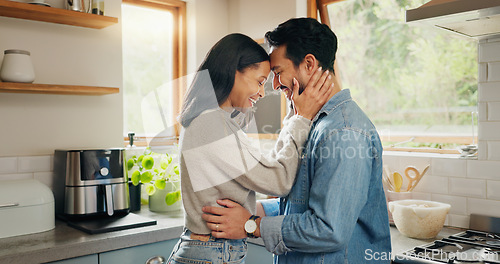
[{"x": 336, "y": 211}]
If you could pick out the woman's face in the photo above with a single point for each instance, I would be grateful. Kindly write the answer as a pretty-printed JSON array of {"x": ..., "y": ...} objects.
[{"x": 248, "y": 86}]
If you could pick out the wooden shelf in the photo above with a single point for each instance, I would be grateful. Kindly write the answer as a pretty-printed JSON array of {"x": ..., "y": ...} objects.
[
  {"x": 54, "y": 15},
  {"x": 8, "y": 87}
]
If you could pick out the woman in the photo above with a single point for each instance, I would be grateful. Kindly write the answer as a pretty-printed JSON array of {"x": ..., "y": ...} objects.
[{"x": 218, "y": 160}]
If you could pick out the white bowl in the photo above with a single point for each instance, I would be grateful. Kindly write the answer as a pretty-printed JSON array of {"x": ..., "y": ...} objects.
[{"x": 418, "y": 218}]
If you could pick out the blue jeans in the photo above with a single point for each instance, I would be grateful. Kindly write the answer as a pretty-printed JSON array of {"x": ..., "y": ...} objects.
[{"x": 215, "y": 250}]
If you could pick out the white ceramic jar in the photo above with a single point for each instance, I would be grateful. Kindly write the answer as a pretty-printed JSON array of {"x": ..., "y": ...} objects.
[{"x": 17, "y": 67}]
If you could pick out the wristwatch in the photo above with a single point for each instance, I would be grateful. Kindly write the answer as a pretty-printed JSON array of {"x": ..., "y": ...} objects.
[{"x": 251, "y": 226}]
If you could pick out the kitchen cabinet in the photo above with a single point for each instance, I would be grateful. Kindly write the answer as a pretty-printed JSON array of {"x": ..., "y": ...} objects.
[
  {"x": 90, "y": 259},
  {"x": 258, "y": 254},
  {"x": 54, "y": 15},
  {"x": 138, "y": 254}
]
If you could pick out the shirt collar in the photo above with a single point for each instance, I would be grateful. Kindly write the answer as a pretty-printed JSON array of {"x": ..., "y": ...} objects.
[{"x": 336, "y": 100}]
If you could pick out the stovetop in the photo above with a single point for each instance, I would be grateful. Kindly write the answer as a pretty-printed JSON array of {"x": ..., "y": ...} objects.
[{"x": 470, "y": 246}]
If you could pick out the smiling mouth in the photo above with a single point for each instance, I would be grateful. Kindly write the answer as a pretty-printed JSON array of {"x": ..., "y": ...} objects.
[
  {"x": 253, "y": 101},
  {"x": 284, "y": 89}
]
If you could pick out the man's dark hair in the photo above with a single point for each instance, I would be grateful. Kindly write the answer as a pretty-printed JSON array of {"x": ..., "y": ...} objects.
[
  {"x": 304, "y": 36},
  {"x": 216, "y": 75}
]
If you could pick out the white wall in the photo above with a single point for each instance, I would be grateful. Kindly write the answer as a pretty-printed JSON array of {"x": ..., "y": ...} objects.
[
  {"x": 254, "y": 18},
  {"x": 208, "y": 21},
  {"x": 33, "y": 124}
]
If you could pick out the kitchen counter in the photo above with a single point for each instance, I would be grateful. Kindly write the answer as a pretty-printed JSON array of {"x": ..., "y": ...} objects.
[
  {"x": 65, "y": 242},
  {"x": 401, "y": 243}
]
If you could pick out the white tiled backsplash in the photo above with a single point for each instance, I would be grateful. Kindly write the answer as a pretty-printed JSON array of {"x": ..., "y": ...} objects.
[
  {"x": 29, "y": 167},
  {"x": 470, "y": 186}
]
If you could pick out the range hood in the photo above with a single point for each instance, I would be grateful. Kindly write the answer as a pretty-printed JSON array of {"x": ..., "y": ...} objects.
[{"x": 473, "y": 18}]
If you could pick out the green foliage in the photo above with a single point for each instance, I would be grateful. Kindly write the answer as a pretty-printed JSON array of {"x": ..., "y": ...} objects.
[
  {"x": 154, "y": 170},
  {"x": 404, "y": 74},
  {"x": 147, "y": 44},
  {"x": 173, "y": 197}
]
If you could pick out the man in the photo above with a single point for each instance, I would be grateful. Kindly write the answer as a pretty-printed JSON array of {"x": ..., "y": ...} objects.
[{"x": 336, "y": 211}]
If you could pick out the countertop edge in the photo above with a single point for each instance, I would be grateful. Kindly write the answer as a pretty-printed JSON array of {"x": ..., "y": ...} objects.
[{"x": 27, "y": 249}]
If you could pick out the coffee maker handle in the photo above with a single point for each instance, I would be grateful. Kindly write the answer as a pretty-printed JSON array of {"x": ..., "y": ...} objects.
[{"x": 109, "y": 200}]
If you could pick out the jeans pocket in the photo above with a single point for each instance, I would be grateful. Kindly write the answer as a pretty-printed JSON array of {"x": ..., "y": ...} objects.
[
  {"x": 237, "y": 253},
  {"x": 197, "y": 252}
]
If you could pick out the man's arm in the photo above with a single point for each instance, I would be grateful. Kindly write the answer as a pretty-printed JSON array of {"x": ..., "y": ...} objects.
[
  {"x": 339, "y": 189},
  {"x": 229, "y": 221},
  {"x": 338, "y": 193}
]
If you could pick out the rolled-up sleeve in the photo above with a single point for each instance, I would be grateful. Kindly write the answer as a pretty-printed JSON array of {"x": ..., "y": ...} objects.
[{"x": 270, "y": 230}]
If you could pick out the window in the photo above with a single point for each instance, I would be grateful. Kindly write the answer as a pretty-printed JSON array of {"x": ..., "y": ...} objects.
[
  {"x": 153, "y": 61},
  {"x": 417, "y": 83}
]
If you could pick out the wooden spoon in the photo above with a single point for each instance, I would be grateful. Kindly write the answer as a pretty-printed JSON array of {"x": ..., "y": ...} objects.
[
  {"x": 412, "y": 177},
  {"x": 419, "y": 178},
  {"x": 398, "y": 181}
]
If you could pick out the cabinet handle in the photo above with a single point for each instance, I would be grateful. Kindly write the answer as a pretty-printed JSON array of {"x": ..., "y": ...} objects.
[{"x": 156, "y": 260}]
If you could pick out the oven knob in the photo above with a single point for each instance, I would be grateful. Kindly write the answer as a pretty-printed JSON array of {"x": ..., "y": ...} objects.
[{"x": 104, "y": 171}]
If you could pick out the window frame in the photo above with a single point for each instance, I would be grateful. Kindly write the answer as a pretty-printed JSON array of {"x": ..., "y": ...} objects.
[{"x": 179, "y": 67}]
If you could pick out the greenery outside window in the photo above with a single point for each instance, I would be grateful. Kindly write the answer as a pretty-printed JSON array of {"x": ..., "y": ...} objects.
[
  {"x": 154, "y": 58},
  {"x": 418, "y": 84}
]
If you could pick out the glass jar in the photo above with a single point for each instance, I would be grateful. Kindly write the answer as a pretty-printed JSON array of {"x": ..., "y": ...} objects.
[
  {"x": 17, "y": 67},
  {"x": 98, "y": 7}
]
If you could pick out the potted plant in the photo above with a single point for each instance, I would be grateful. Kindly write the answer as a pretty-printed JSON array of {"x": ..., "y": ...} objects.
[{"x": 159, "y": 175}]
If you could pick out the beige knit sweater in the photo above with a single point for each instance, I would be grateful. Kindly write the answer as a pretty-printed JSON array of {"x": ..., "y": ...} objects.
[{"x": 218, "y": 160}]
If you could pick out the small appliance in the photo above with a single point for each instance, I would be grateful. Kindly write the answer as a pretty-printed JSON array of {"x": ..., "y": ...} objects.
[{"x": 90, "y": 183}]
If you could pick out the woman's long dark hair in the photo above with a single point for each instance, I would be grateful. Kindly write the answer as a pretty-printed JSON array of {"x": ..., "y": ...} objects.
[{"x": 215, "y": 78}]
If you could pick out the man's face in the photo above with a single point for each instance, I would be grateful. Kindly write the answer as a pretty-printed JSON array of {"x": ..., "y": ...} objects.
[{"x": 284, "y": 71}]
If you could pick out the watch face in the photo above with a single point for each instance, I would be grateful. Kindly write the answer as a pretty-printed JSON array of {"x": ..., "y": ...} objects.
[{"x": 250, "y": 226}]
